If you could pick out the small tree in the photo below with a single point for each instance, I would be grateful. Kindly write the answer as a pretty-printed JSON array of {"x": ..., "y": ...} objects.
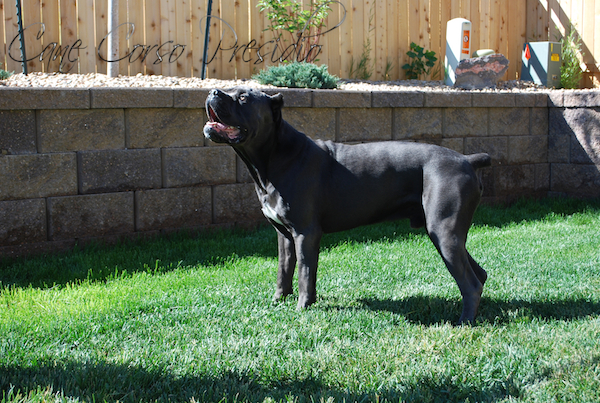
[{"x": 301, "y": 24}]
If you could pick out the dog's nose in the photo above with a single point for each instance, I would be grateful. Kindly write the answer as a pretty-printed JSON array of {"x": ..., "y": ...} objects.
[{"x": 214, "y": 92}]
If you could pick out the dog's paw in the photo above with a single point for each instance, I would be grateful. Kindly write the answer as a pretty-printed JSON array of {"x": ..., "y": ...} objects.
[{"x": 304, "y": 301}]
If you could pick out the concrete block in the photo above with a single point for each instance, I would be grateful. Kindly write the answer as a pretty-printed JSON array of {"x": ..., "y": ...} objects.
[
  {"x": 414, "y": 123},
  {"x": 160, "y": 209},
  {"x": 585, "y": 148},
  {"x": 555, "y": 99},
  {"x": 23, "y": 221},
  {"x": 575, "y": 180},
  {"x": 456, "y": 144},
  {"x": 243, "y": 175},
  {"x": 509, "y": 121},
  {"x": 460, "y": 122},
  {"x": 198, "y": 166},
  {"x": 539, "y": 121},
  {"x": 44, "y": 98},
  {"x": 448, "y": 99},
  {"x": 584, "y": 124},
  {"x": 494, "y": 99},
  {"x": 557, "y": 124},
  {"x": 365, "y": 124},
  {"x": 73, "y": 217},
  {"x": 496, "y": 147},
  {"x": 131, "y": 97},
  {"x": 341, "y": 99},
  {"x": 119, "y": 170},
  {"x": 236, "y": 203},
  {"x": 17, "y": 132},
  {"x": 527, "y": 149},
  {"x": 165, "y": 127},
  {"x": 76, "y": 130},
  {"x": 190, "y": 97},
  {"x": 581, "y": 98},
  {"x": 293, "y": 97},
  {"x": 526, "y": 100},
  {"x": 37, "y": 175},
  {"x": 559, "y": 148},
  {"x": 511, "y": 180},
  {"x": 316, "y": 123},
  {"x": 542, "y": 177},
  {"x": 397, "y": 99}
]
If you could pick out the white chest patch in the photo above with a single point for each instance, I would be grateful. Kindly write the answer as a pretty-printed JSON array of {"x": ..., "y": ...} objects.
[{"x": 270, "y": 213}]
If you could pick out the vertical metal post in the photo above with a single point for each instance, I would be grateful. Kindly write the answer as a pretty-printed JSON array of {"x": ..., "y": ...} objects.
[
  {"x": 205, "y": 53},
  {"x": 113, "y": 41},
  {"x": 21, "y": 36}
]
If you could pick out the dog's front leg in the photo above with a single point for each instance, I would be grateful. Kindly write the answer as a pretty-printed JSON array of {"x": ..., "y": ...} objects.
[
  {"x": 287, "y": 264},
  {"x": 307, "y": 252}
]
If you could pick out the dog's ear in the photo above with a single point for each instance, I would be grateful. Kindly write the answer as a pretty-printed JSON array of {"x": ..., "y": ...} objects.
[{"x": 276, "y": 105}]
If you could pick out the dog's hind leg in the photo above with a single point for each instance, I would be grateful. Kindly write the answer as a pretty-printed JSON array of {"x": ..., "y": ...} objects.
[
  {"x": 448, "y": 218},
  {"x": 287, "y": 264},
  {"x": 479, "y": 271}
]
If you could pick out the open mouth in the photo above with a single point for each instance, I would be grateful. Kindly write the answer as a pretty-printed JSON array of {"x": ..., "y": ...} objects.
[{"x": 222, "y": 129}]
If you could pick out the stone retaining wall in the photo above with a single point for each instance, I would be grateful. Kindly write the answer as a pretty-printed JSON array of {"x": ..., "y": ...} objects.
[{"x": 103, "y": 163}]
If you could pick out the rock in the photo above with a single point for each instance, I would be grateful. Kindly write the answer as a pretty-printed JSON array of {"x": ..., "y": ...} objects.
[{"x": 480, "y": 72}]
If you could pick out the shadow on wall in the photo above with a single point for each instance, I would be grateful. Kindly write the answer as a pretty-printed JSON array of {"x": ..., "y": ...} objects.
[{"x": 574, "y": 151}]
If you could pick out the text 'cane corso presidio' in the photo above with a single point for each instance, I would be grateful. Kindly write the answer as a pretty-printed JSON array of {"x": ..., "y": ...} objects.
[{"x": 307, "y": 188}]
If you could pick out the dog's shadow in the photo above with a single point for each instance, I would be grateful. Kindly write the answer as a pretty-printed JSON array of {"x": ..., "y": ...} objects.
[{"x": 427, "y": 310}]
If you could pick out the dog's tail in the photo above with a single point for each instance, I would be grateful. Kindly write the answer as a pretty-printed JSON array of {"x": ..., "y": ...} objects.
[{"x": 480, "y": 160}]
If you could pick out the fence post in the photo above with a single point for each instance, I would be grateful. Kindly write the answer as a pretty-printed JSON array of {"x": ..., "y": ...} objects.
[
  {"x": 21, "y": 36},
  {"x": 113, "y": 43}
]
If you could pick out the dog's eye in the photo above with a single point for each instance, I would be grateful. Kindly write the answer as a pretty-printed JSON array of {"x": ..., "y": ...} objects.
[{"x": 243, "y": 98}]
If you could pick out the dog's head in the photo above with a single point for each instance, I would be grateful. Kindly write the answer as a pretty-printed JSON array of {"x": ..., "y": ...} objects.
[{"x": 241, "y": 114}]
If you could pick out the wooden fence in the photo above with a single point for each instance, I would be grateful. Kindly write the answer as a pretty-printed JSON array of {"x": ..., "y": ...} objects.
[{"x": 169, "y": 34}]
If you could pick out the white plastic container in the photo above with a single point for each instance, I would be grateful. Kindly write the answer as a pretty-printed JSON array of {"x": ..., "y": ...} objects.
[{"x": 458, "y": 46}]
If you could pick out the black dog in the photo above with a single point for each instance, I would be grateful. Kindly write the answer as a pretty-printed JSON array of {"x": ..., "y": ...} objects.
[{"x": 308, "y": 188}]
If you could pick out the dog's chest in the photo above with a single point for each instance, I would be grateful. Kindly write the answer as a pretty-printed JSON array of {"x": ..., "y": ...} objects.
[{"x": 272, "y": 204}]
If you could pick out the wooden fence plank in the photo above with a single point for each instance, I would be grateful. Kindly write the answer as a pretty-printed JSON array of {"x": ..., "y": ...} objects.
[
  {"x": 183, "y": 52},
  {"x": 494, "y": 26},
  {"x": 242, "y": 28},
  {"x": 517, "y": 36},
  {"x": 101, "y": 31},
  {"x": 123, "y": 30},
  {"x": 392, "y": 57},
  {"x": 12, "y": 30},
  {"x": 85, "y": 16},
  {"x": 152, "y": 37},
  {"x": 345, "y": 39},
  {"x": 68, "y": 31},
  {"x": 484, "y": 25},
  {"x": 135, "y": 15},
  {"x": 228, "y": 16},
  {"x": 257, "y": 34},
  {"x": 51, "y": 38},
  {"x": 379, "y": 38},
  {"x": 198, "y": 17},
  {"x": 31, "y": 22}
]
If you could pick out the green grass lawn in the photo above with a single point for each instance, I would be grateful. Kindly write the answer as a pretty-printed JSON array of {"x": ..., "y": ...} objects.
[{"x": 189, "y": 318}]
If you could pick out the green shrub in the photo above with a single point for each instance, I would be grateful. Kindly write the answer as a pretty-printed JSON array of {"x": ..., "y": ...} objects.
[
  {"x": 421, "y": 62},
  {"x": 298, "y": 75},
  {"x": 570, "y": 69},
  {"x": 5, "y": 74}
]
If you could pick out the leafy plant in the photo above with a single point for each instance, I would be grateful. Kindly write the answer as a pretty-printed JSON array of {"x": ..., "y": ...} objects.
[
  {"x": 301, "y": 24},
  {"x": 421, "y": 62},
  {"x": 570, "y": 69},
  {"x": 5, "y": 74},
  {"x": 298, "y": 75}
]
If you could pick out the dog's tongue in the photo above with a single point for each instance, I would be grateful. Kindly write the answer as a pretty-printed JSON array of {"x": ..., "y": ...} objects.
[{"x": 226, "y": 131}]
